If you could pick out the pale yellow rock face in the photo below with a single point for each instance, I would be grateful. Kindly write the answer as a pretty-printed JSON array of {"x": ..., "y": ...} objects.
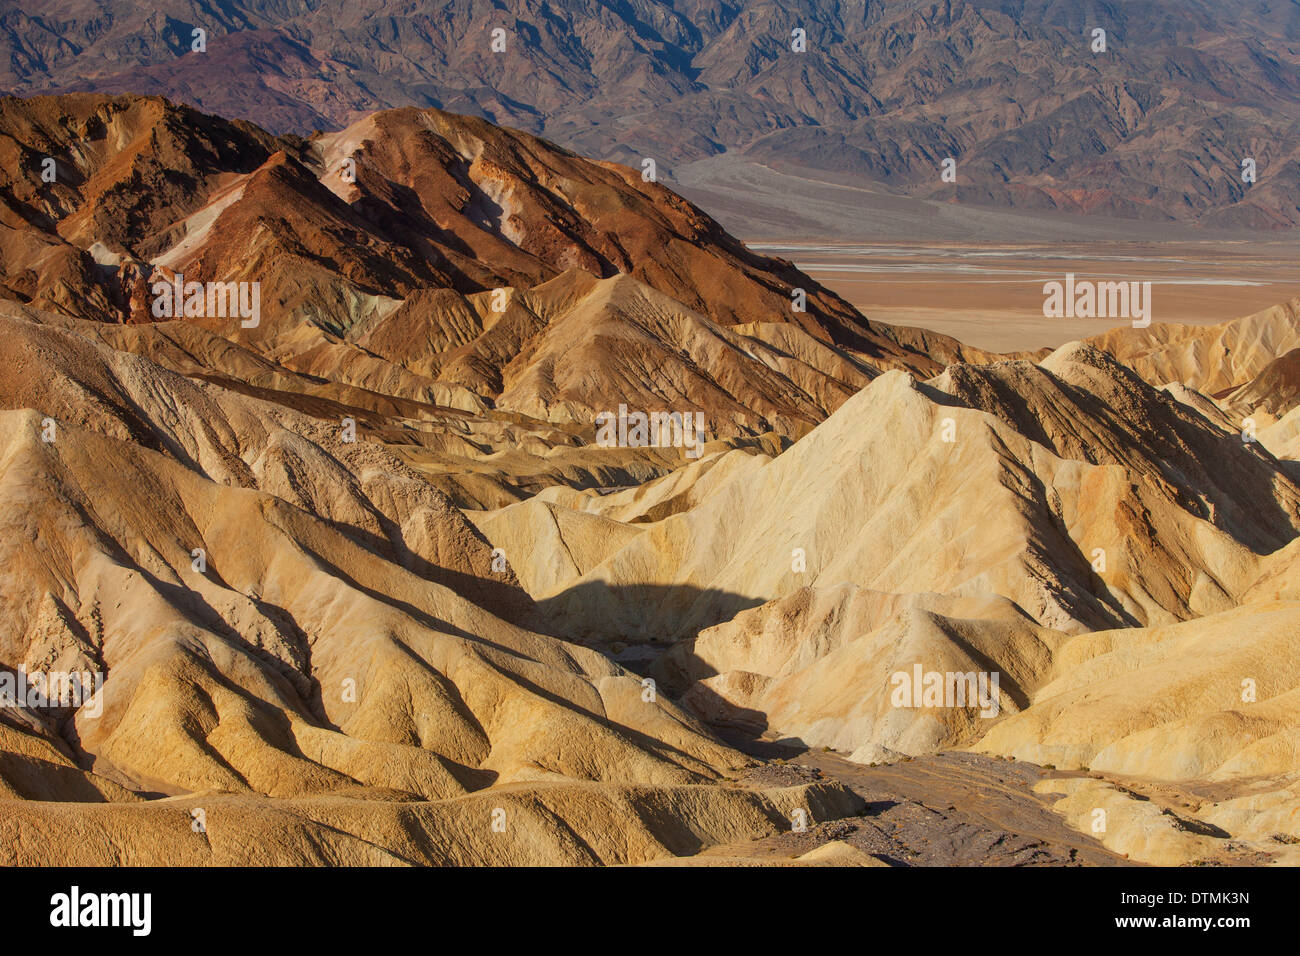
[
  {"x": 1136, "y": 828},
  {"x": 558, "y": 824},
  {"x": 1203, "y": 700},
  {"x": 299, "y": 657},
  {"x": 820, "y": 665},
  {"x": 869, "y": 553},
  {"x": 558, "y": 543},
  {"x": 1210, "y": 358},
  {"x": 981, "y": 521},
  {"x": 879, "y": 497}
]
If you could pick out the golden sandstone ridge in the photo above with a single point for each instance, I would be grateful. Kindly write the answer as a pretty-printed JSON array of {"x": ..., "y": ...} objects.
[{"x": 364, "y": 584}]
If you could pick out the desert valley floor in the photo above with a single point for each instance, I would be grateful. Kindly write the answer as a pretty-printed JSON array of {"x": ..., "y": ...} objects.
[{"x": 990, "y": 295}]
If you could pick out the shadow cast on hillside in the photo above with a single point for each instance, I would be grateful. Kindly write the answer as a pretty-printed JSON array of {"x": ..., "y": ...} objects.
[{"x": 597, "y": 612}]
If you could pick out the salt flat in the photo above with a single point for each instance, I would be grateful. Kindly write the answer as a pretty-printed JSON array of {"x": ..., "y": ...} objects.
[{"x": 991, "y": 295}]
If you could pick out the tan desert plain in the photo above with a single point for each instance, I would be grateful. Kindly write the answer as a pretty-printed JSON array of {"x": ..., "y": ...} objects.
[{"x": 354, "y": 576}]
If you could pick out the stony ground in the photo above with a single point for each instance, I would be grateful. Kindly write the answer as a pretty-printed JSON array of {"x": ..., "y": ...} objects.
[{"x": 949, "y": 809}]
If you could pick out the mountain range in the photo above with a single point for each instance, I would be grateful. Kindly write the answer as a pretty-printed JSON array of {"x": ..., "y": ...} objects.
[{"x": 1019, "y": 94}]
